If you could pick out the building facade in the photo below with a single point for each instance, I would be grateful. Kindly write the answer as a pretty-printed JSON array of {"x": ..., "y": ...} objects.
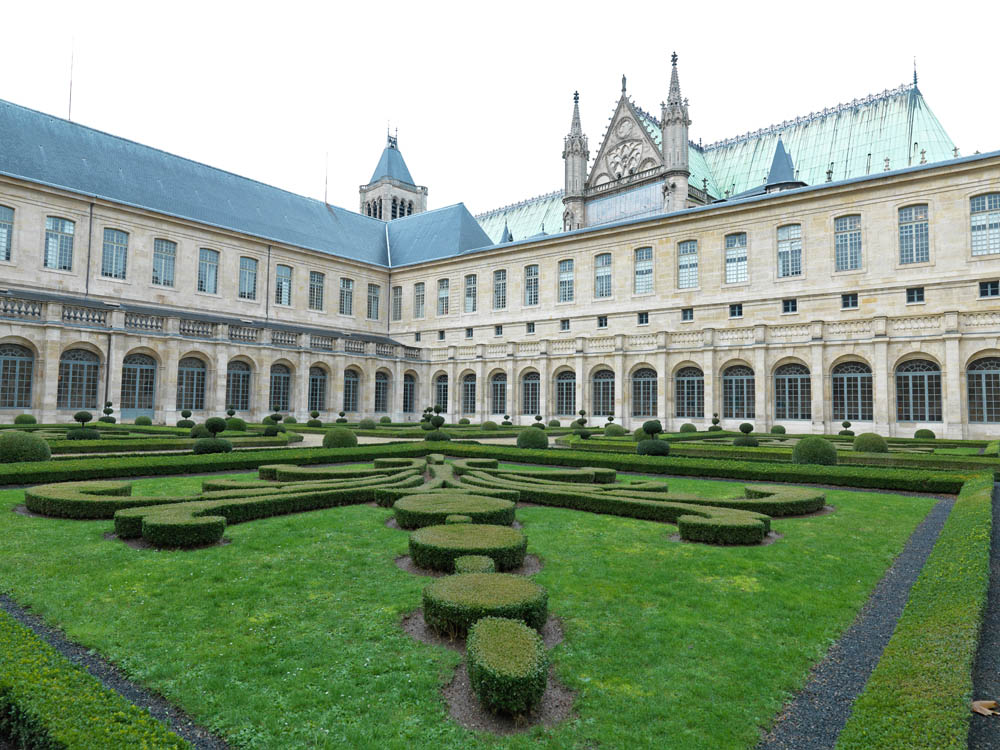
[{"x": 159, "y": 284}]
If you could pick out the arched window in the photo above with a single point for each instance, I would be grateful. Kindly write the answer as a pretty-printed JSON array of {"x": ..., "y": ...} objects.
[
  {"x": 644, "y": 401},
  {"x": 983, "y": 378},
  {"x": 78, "y": 377},
  {"x": 792, "y": 392},
  {"x": 281, "y": 388},
  {"x": 409, "y": 208},
  {"x": 441, "y": 392},
  {"x": 351, "y": 387},
  {"x": 394, "y": 209},
  {"x": 566, "y": 393},
  {"x": 317, "y": 389},
  {"x": 918, "y": 391},
  {"x": 852, "y": 391},
  {"x": 469, "y": 394},
  {"x": 689, "y": 393},
  {"x": 191, "y": 384},
  {"x": 498, "y": 393},
  {"x": 381, "y": 392},
  {"x": 603, "y": 393},
  {"x": 16, "y": 367},
  {"x": 238, "y": 386},
  {"x": 529, "y": 393},
  {"x": 409, "y": 394},
  {"x": 738, "y": 391}
]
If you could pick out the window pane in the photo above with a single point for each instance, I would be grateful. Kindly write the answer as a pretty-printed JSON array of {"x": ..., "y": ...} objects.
[
  {"x": 208, "y": 271},
  {"x": 499, "y": 290},
  {"x": 687, "y": 264},
  {"x": 470, "y": 294},
  {"x": 443, "y": 297},
  {"x": 418, "y": 300},
  {"x": 790, "y": 250},
  {"x": 602, "y": 276},
  {"x": 347, "y": 296},
  {"x": 374, "y": 293},
  {"x": 986, "y": 224},
  {"x": 59, "y": 243},
  {"x": 566, "y": 281},
  {"x": 914, "y": 241},
  {"x": 847, "y": 243},
  {"x": 164, "y": 259},
  {"x": 736, "y": 258},
  {"x": 248, "y": 278},
  {"x": 644, "y": 270},
  {"x": 531, "y": 285},
  {"x": 6, "y": 231},
  {"x": 397, "y": 303},
  {"x": 114, "y": 257},
  {"x": 283, "y": 285},
  {"x": 317, "y": 282}
]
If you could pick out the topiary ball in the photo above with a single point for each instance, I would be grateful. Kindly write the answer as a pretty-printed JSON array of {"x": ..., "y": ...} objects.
[
  {"x": 814, "y": 450},
  {"x": 236, "y": 424},
  {"x": 746, "y": 428},
  {"x": 614, "y": 430},
  {"x": 489, "y": 426},
  {"x": 83, "y": 417},
  {"x": 688, "y": 427},
  {"x": 25, "y": 419},
  {"x": 212, "y": 445},
  {"x": 652, "y": 427},
  {"x": 437, "y": 421},
  {"x": 436, "y": 435},
  {"x": 846, "y": 433},
  {"x": 215, "y": 425},
  {"x": 267, "y": 420},
  {"x": 554, "y": 423},
  {"x": 341, "y": 420},
  {"x": 271, "y": 431},
  {"x": 16, "y": 446},
  {"x": 314, "y": 414},
  {"x": 745, "y": 441},
  {"x": 925, "y": 435},
  {"x": 339, "y": 437},
  {"x": 314, "y": 423},
  {"x": 870, "y": 442},
  {"x": 186, "y": 413},
  {"x": 200, "y": 431},
  {"x": 185, "y": 423},
  {"x": 464, "y": 421},
  {"x": 143, "y": 421},
  {"x": 640, "y": 434},
  {"x": 108, "y": 419},
  {"x": 653, "y": 447},
  {"x": 714, "y": 428},
  {"x": 290, "y": 420},
  {"x": 532, "y": 439},
  {"x": 385, "y": 420},
  {"x": 366, "y": 424},
  {"x": 276, "y": 417},
  {"x": 777, "y": 430}
]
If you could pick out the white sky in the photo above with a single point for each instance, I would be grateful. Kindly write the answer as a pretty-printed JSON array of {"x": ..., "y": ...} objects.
[{"x": 481, "y": 93}]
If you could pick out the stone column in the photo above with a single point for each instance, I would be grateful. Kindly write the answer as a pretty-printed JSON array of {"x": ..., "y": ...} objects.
[
  {"x": 166, "y": 385},
  {"x": 622, "y": 407},
  {"x": 713, "y": 399},
  {"x": 762, "y": 390},
  {"x": 663, "y": 401},
  {"x": 818, "y": 388},
  {"x": 116, "y": 346},
  {"x": 880, "y": 389},
  {"x": 546, "y": 389},
  {"x": 300, "y": 389},
  {"x": 51, "y": 351},
  {"x": 215, "y": 380},
  {"x": 337, "y": 385},
  {"x": 955, "y": 424}
]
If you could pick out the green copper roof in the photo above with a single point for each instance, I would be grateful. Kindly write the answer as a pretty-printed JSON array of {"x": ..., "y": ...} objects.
[
  {"x": 701, "y": 174},
  {"x": 525, "y": 219}
]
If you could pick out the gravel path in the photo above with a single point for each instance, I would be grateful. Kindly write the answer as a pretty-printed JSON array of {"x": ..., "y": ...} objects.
[
  {"x": 815, "y": 718},
  {"x": 112, "y": 678},
  {"x": 984, "y": 733}
]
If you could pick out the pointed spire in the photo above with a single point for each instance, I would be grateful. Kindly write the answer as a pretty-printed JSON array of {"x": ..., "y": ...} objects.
[
  {"x": 506, "y": 236},
  {"x": 674, "y": 96},
  {"x": 914, "y": 71},
  {"x": 782, "y": 169},
  {"x": 575, "y": 128}
]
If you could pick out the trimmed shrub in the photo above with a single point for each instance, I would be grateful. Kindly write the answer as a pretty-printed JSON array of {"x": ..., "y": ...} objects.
[
  {"x": 438, "y": 435},
  {"x": 437, "y": 422},
  {"x": 339, "y": 437},
  {"x": 83, "y": 433},
  {"x": 745, "y": 441},
  {"x": 925, "y": 434},
  {"x": 488, "y": 425},
  {"x": 688, "y": 427},
  {"x": 382, "y": 420},
  {"x": 846, "y": 433},
  {"x": 185, "y": 423},
  {"x": 459, "y": 518},
  {"x": 614, "y": 430},
  {"x": 276, "y": 417},
  {"x": 651, "y": 428},
  {"x": 236, "y": 424},
  {"x": 714, "y": 428},
  {"x": 436, "y": 547},
  {"x": 230, "y": 411},
  {"x": 314, "y": 414},
  {"x": 777, "y": 429},
  {"x": 201, "y": 431},
  {"x": 314, "y": 423},
  {"x": 108, "y": 419},
  {"x": 653, "y": 447},
  {"x": 474, "y": 564},
  {"x": 366, "y": 424},
  {"x": 186, "y": 413},
  {"x": 870, "y": 442},
  {"x": 554, "y": 423},
  {"x": 215, "y": 425},
  {"x": 464, "y": 421},
  {"x": 290, "y": 420},
  {"x": 18, "y": 446},
  {"x": 267, "y": 421},
  {"x": 83, "y": 417},
  {"x": 532, "y": 438},
  {"x": 814, "y": 450},
  {"x": 271, "y": 430},
  {"x": 507, "y": 423},
  {"x": 25, "y": 419},
  {"x": 432, "y": 509},
  {"x": 746, "y": 428},
  {"x": 143, "y": 421},
  {"x": 508, "y": 665},
  {"x": 640, "y": 434},
  {"x": 212, "y": 445},
  {"x": 453, "y": 603}
]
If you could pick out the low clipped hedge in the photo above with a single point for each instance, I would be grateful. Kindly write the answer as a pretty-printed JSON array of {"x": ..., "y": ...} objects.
[
  {"x": 366, "y": 424},
  {"x": 143, "y": 421},
  {"x": 489, "y": 426},
  {"x": 870, "y": 442},
  {"x": 83, "y": 433},
  {"x": 474, "y": 564},
  {"x": 236, "y": 424},
  {"x": 16, "y": 446},
  {"x": 652, "y": 448},
  {"x": 212, "y": 445},
  {"x": 686, "y": 427},
  {"x": 777, "y": 430},
  {"x": 436, "y": 547},
  {"x": 433, "y": 509},
  {"x": 459, "y": 518},
  {"x": 532, "y": 438},
  {"x": 49, "y": 703},
  {"x": 508, "y": 665},
  {"x": 454, "y": 603}
]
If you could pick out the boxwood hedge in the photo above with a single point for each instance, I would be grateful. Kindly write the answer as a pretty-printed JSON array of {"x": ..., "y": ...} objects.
[
  {"x": 453, "y": 603},
  {"x": 474, "y": 564},
  {"x": 508, "y": 665},
  {"x": 432, "y": 509},
  {"x": 436, "y": 547}
]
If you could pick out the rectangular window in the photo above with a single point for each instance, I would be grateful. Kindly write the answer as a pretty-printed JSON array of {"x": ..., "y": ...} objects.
[
  {"x": 418, "y": 300},
  {"x": 849, "y": 301},
  {"x": 564, "y": 324},
  {"x": 208, "y": 271},
  {"x": 529, "y": 327},
  {"x": 498, "y": 330},
  {"x": 644, "y": 270},
  {"x": 416, "y": 337},
  {"x": 687, "y": 264},
  {"x": 687, "y": 314},
  {"x": 317, "y": 284},
  {"x": 790, "y": 250},
  {"x": 914, "y": 241},
  {"x": 115, "y": 256},
  {"x": 468, "y": 333},
  {"x": 566, "y": 280},
  {"x": 736, "y": 258},
  {"x": 499, "y": 290},
  {"x": 397, "y": 303},
  {"x": 914, "y": 294},
  {"x": 283, "y": 285},
  {"x": 346, "y": 297},
  {"x": 985, "y": 216},
  {"x": 248, "y": 278},
  {"x": 470, "y": 293},
  {"x": 443, "y": 297},
  {"x": 602, "y": 321},
  {"x": 374, "y": 292},
  {"x": 6, "y": 231},
  {"x": 59, "y": 243},
  {"x": 643, "y": 319},
  {"x": 602, "y": 275},
  {"x": 736, "y": 311},
  {"x": 989, "y": 288},
  {"x": 164, "y": 259},
  {"x": 531, "y": 285},
  {"x": 847, "y": 243},
  {"x": 440, "y": 335},
  {"x": 789, "y": 305}
]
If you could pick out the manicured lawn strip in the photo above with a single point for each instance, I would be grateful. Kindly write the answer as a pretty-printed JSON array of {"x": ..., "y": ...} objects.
[
  {"x": 110, "y": 445},
  {"x": 918, "y": 697}
]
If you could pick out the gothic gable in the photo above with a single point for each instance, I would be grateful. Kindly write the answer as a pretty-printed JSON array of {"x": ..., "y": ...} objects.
[{"x": 627, "y": 148}]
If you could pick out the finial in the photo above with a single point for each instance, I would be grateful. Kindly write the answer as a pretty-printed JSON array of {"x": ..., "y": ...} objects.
[
  {"x": 673, "y": 59},
  {"x": 623, "y": 83},
  {"x": 914, "y": 70},
  {"x": 576, "y": 97}
]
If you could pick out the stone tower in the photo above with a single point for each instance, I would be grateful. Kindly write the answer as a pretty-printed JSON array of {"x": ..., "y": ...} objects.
[
  {"x": 576, "y": 155},
  {"x": 674, "y": 124},
  {"x": 391, "y": 192}
]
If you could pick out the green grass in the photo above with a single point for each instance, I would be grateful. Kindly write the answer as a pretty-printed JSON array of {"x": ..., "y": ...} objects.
[{"x": 290, "y": 637}]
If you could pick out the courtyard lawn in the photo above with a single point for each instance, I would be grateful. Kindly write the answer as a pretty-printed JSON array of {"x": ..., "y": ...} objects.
[{"x": 289, "y": 637}]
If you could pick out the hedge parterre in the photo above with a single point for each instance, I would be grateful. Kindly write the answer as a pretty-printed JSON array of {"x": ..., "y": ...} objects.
[
  {"x": 453, "y": 603},
  {"x": 508, "y": 665}
]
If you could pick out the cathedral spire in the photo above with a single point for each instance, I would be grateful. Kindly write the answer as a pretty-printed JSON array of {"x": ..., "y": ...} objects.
[
  {"x": 575, "y": 155},
  {"x": 674, "y": 124},
  {"x": 674, "y": 96},
  {"x": 575, "y": 129}
]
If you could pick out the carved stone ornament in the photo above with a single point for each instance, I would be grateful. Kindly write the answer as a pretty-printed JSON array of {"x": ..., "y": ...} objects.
[
  {"x": 624, "y": 128},
  {"x": 624, "y": 158}
]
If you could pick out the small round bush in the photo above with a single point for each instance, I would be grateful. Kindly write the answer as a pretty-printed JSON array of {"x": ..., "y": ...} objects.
[
  {"x": 215, "y": 425},
  {"x": 436, "y": 435},
  {"x": 314, "y": 423},
  {"x": 83, "y": 417},
  {"x": 185, "y": 423},
  {"x": 341, "y": 420},
  {"x": 271, "y": 431},
  {"x": 464, "y": 421},
  {"x": 186, "y": 413},
  {"x": 846, "y": 433},
  {"x": 314, "y": 414},
  {"x": 143, "y": 421},
  {"x": 614, "y": 430},
  {"x": 652, "y": 428},
  {"x": 426, "y": 426},
  {"x": 489, "y": 426},
  {"x": 507, "y": 664},
  {"x": 385, "y": 420},
  {"x": 475, "y": 564},
  {"x": 437, "y": 421},
  {"x": 108, "y": 419},
  {"x": 212, "y": 445},
  {"x": 688, "y": 427},
  {"x": 554, "y": 423},
  {"x": 276, "y": 417},
  {"x": 653, "y": 447},
  {"x": 339, "y": 437},
  {"x": 230, "y": 411},
  {"x": 200, "y": 431},
  {"x": 18, "y": 446},
  {"x": 870, "y": 442},
  {"x": 291, "y": 420},
  {"x": 640, "y": 434},
  {"x": 532, "y": 438},
  {"x": 267, "y": 420},
  {"x": 366, "y": 424},
  {"x": 777, "y": 430},
  {"x": 83, "y": 433},
  {"x": 714, "y": 428},
  {"x": 925, "y": 435},
  {"x": 746, "y": 428},
  {"x": 236, "y": 424},
  {"x": 745, "y": 441},
  {"x": 25, "y": 419},
  {"x": 280, "y": 427},
  {"x": 814, "y": 450}
]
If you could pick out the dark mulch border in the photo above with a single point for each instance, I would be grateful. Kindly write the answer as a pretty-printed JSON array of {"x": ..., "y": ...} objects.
[
  {"x": 984, "y": 731},
  {"x": 816, "y": 716},
  {"x": 113, "y": 679}
]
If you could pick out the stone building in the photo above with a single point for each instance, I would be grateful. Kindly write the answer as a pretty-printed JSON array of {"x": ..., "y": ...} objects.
[{"x": 843, "y": 265}]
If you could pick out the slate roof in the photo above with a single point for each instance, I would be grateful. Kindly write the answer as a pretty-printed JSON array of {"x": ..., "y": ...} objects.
[
  {"x": 430, "y": 235},
  {"x": 392, "y": 165}
]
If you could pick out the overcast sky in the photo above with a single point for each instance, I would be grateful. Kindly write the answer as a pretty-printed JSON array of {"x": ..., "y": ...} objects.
[{"x": 481, "y": 93}]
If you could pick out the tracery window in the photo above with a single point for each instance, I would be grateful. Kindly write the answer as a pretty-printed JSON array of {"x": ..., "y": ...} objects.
[
  {"x": 238, "y": 385},
  {"x": 191, "y": 384},
  {"x": 78, "y": 378},
  {"x": 852, "y": 392},
  {"x": 738, "y": 393},
  {"x": 644, "y": 398},
  {"x": 918, "y": 391},
  {"x": 16, "y": 368},
  {"x": 792, "y": 392},
  {"x": 689, "y": 393},
  {"x": 603, "y": 393}
]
